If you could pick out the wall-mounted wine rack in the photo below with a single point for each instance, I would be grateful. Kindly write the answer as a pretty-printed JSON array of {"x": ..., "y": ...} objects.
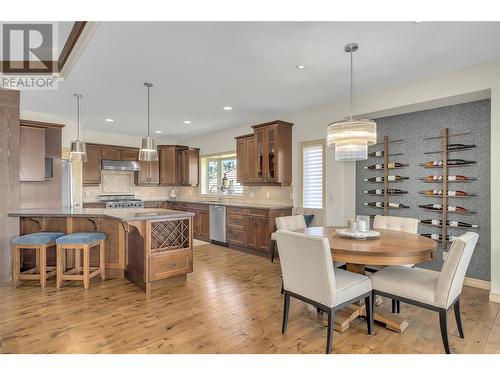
[
  {"x": 386, "y": 168},
  {"x": 445, "y": 178}
]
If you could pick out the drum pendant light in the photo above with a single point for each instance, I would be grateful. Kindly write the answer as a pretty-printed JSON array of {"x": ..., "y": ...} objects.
[
  {"x": 351, "y": 138},
  {"x": 148, "y": 151},
  {"x": 78, "y": 150}
]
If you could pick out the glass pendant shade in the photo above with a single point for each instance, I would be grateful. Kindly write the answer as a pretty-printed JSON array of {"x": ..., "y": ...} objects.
[
  {"x": 78, "y": 151},
  {"x": 351, "y": 139},
  {"x": 148, "y": 151}
]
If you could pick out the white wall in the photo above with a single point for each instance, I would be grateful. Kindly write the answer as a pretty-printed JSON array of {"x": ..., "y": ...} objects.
[{"x": 428, "y": 92}]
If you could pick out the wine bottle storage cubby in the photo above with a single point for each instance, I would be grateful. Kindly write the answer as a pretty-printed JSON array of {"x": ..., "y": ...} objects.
[
  {"x": 386, "y": 166},
  {"x": 444, "y": 193}
]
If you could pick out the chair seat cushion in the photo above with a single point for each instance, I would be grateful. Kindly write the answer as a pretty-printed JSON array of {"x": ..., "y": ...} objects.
[
  {"x": 42, "y": 238},
  {"x": 350, "y": 285},
  {"x": 411, "y": 283},
  {"x": 81, "y": 238}
]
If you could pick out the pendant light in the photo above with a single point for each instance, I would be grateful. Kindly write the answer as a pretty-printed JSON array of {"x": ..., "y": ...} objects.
[
  {"x": 352, "y": 137},
  {"x": 78, "y": 149},
  {"x": 148, "y": 151}
]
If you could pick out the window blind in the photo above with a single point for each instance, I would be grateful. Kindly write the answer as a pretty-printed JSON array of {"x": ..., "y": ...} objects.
[{"x": 312, "y": 176}]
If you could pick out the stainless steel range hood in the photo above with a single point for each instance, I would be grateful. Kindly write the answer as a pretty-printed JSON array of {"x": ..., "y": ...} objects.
[{"x": 120, "y": 165}]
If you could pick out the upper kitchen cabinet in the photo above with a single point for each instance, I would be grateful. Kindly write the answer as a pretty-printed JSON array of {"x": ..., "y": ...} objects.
[
  {"x": 129, "y": 154},
  {"x": 92, "y": 167},
  {"x": 266, "y": 158},
  {"x": 245, "y": 158},
  {"x": 32, "y": 155},
  {"x": 149, "y": 173},
  {"x": 179, "y": 165},
  {"x": 188, "y": 162},
  {"x": 111, "y": 153}
]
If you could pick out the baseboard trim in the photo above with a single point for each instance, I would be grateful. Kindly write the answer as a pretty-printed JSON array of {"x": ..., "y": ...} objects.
[
  {"x": 494, "y": 297},
  {"x": 469, "y": 281}
]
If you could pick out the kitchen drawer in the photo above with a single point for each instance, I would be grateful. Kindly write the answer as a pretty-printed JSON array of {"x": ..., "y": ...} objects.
[
  {"x": 236, "y": 221},
  {"x": 235, "y": 237},
  {"x": 168, "y": 264},
  {"x": 93, "y": 205},
  {"x": 236, "y": 210},
  {"x": 198, "y": 206},
  {"x": 257, "y": 212},
  {"x": 151, "y": 204}
]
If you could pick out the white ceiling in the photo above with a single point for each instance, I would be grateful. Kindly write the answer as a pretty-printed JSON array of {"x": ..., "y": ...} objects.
[{"x": 199, "y": 67}]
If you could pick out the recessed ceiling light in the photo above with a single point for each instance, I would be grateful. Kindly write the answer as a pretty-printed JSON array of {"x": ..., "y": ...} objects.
[
  {"x": 300, "y": 66},
  {"x": 187, "y": 122},
  {"x": 109, "y": 120},
  {"x": 158, "y": 131},
  {"x": 227, "y": 108}
]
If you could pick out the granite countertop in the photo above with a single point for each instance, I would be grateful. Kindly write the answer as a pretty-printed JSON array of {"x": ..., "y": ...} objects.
[
  {"x": 226, "y": 203},
  {"x": 122, "y": 214}
]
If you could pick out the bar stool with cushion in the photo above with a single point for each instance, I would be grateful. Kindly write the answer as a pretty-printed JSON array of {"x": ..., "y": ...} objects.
[
  {"x": 309, "y": 275},
  {"x": 401, "y": 224},
  {"x": 436, "y": 292},
  {"x": 40, "y": 242},
  {"x": 80, "y": 242}
]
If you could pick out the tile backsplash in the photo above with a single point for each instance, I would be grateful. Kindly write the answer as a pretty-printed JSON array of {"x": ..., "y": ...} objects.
[{"x": 116, "y": 182}]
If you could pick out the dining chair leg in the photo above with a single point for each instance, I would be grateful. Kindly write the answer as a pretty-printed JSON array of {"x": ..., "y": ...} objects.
[
  {"x": 444, "y": 330},
  {"x": 393, "y": 306},
  {"x": 282, "y": 287},
  {"x": 273, "y": 249},
  {"x": 369, "y": 313},
  {"x": 329, "y": 334},
  {"x": 458, "y": 317},
  {"x": 398, "y": 306},
  {"x": 286, "y": 308}
]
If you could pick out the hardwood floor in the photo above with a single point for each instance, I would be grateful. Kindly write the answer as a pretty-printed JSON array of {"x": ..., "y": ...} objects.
[{"x": 231, "y": 303}]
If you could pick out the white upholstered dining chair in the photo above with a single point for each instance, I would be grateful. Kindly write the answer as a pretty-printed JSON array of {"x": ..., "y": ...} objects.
[
  {"x": 291, "y": 223},
  {"x": 437, "y": 292},
  {"x": 309, "y": 275},
  {"x": 398, "y": 223}
]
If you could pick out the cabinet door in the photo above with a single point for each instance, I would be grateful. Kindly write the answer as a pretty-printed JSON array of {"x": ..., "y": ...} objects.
[
  {"x": 270, "y": 148},
  {"x": 204, "y": 225},
  {"x": 261, "y": 155},
  {"x": 262, "y": 236},
  {"x": 142, "y": 176},
  {"x": 241, "y": 160},
  {"x": 182, "y": 167},
  {"x": 111, "y": 153},
  {"x": 168, "y": 166},
  {"x": 32, "y": 155},
  {"x": 154, "y": 172},
  {"x": 92, "y": 167},
  {"x": 251, "y": 232},
  {"x": 193, "y": 167},
  {"x": 129, "y": 155},
  {"x": 250, "y": 159}
]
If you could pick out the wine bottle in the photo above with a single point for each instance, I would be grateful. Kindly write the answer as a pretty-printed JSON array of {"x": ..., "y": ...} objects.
[
  {"x": 439, "y": 207},
  {"x": 381, "y": 205},
  {"x": 458, "y": 146},
  {"x": 389, "y": 178},
  {"x": 389, "y": 191},
  {"x": 449, "y": 223},
  {"x": 450, "y": 193},
  {"x": 376, "y": 153},
  {"x": 450, "y": 178},
  {"x": 389, "y": 166},
  {"x": 439, "y": 237},
  {"x": 450, "y": 162}
]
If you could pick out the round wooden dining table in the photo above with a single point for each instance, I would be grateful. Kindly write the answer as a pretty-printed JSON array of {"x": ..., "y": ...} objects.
[{"x": 390, "y": 248}]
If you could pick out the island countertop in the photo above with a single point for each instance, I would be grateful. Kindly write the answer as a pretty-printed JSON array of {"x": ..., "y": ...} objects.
[{"x": 123, "y": 214}]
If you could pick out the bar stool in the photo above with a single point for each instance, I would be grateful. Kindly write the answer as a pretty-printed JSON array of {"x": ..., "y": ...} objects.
[
  {"x": 83, "y": 241},
  {"x": 39, "y": 242}
]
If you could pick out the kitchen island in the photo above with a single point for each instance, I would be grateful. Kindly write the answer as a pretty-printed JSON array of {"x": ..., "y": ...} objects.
[{"x": 149, "y": 247}]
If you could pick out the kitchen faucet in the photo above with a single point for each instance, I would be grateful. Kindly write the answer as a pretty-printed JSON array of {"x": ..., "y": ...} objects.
[{"x": 224, "y": 186}]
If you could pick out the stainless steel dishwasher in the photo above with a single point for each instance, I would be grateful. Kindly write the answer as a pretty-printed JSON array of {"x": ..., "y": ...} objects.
[{"x": 218, "y": 223}]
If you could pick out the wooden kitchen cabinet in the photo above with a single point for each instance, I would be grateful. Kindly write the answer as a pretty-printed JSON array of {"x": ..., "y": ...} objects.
[
  {"x": 149, "y": 173},
  {"x": 111, "y": 153},
  {"x": 168, "y": 165},
  {"x": 188, "y": 165},
  {"x": 245, "y": 159},
  {"x": 266, "y": 157},
  {"x": 32, "y": 155},
  {"x": 129, "y": 154},
  {"x": 201, "y": 220},
  {"x": 92, "y": 167}
]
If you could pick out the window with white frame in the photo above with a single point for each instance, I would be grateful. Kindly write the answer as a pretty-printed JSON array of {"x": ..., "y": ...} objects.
[
  {"x": 213, "y": 170},
  {"x": 312, "y": 167}
]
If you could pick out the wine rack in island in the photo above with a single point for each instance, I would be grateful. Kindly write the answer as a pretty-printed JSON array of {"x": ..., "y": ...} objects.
[
  {"x": 386, "y": 166},
  {"x": 447, "y": 191}
]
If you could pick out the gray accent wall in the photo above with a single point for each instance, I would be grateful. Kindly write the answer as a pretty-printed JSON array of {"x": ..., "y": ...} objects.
[{"x": 412, "y": 128}]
